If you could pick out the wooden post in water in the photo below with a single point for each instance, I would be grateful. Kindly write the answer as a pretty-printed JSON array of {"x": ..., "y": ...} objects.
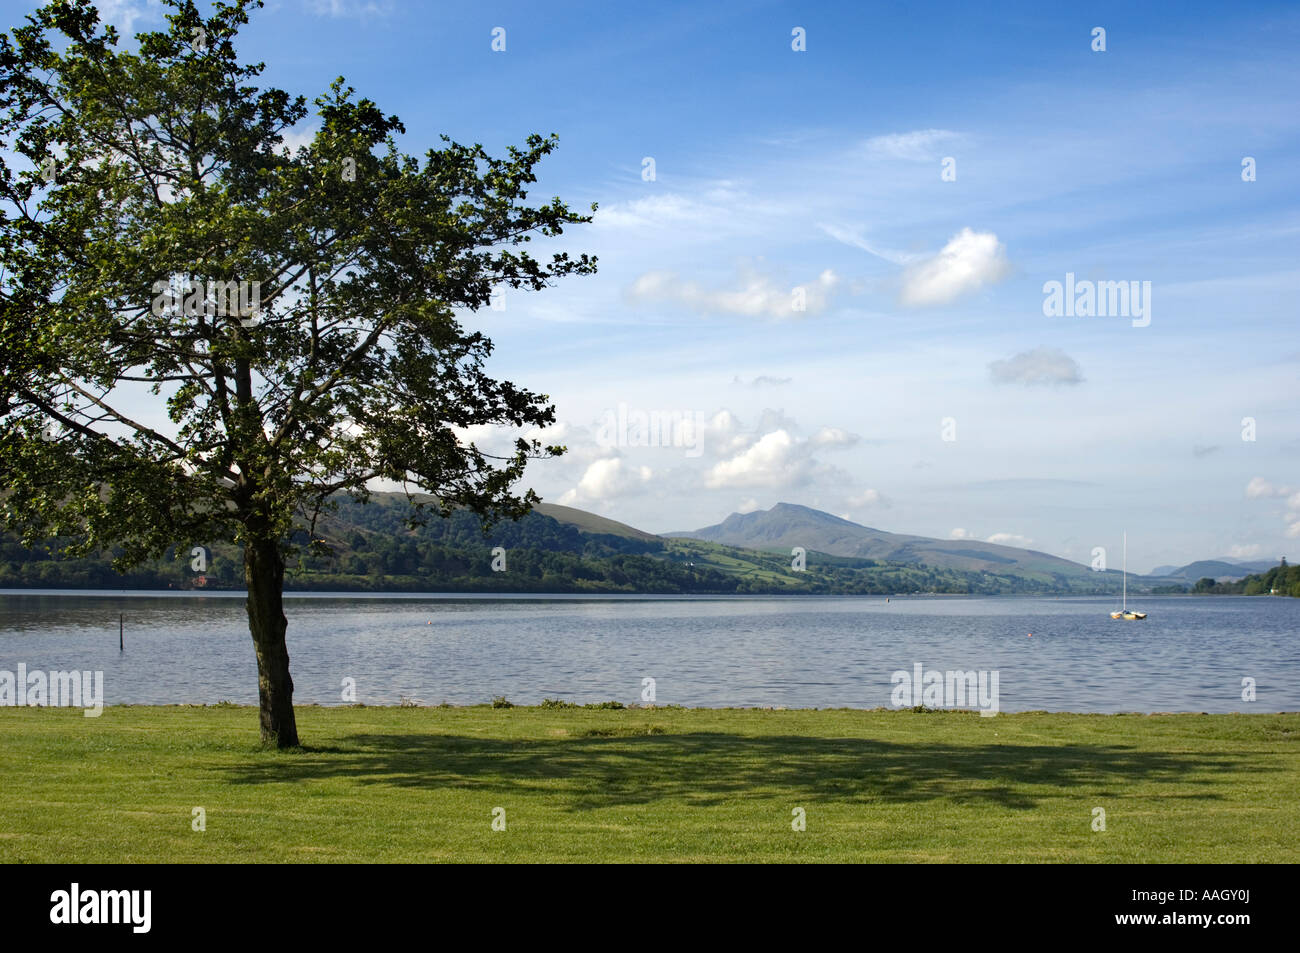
[{"x": 121, "y": 647}]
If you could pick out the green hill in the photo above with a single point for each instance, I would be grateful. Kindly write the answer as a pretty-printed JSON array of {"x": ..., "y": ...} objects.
[{"x": 590, "y": 522}]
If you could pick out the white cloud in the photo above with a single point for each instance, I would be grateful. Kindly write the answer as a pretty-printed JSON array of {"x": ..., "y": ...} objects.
[
  {"x": 722, "y": 434},
  {"x": 772, "y": 461},
  {"x": 557, "y": 432},
  {"x": 295, "y": 139},
  {"x": 478, "y": 434},
  {"x": 1044, "y": 365},
  {"x": 607, "y": 478},
  {"x": 579, "y": 442},
  {"x": 1244, "y": 550},
  {"x": 1009, "y": 539},
  {"x": 754, "y": 294},
  {"x": 776, "y": 459},
  {"x": 771, "y": 455},
  {"x": 1259, "y": 488},
  {"x": 967, "y": 263},
  {"x": 349, "y": 8},
  {"x": 919, "y": 145},
  {"x": 865, "y": 498},
  {"x": 748, "y": 505},
  {"x": 832, "y": 437},
  {"x": 1002, "y": 539},
  {"x": 123, "y": 13}
]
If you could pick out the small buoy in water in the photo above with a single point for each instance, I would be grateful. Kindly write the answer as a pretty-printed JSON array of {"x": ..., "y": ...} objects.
[{"x": 1031, "y": 635}]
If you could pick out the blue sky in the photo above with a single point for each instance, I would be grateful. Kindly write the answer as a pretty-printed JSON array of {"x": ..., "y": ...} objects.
[{"x": 820, "y": 169}]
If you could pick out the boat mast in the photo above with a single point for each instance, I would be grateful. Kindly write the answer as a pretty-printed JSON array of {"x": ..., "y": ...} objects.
[{"x": 1125, "y": 606}]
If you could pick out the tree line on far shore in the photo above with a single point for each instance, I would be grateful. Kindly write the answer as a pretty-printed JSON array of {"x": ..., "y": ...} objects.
[{"x": 1281, "y": 580}]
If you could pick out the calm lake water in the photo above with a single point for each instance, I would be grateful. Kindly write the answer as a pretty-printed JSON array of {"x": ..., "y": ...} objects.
[{"x": 1191, "y": 654}]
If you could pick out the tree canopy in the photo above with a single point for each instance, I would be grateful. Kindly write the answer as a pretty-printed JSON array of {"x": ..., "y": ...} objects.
[{"x": 292, "y": 315}]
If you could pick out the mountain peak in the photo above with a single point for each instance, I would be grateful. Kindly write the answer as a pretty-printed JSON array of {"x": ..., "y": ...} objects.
[
  {"x": 809, "y": 512},
  {"x": 787, "y": 525}
]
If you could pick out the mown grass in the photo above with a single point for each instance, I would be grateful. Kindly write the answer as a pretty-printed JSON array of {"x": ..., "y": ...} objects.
[{"x": 420, "y": 784}]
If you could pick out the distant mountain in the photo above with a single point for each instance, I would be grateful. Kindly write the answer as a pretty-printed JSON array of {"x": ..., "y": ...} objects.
[
  {"x": 787, "y": 525},
  {"x": 1217, "y": 569},
  {"x": 1254, "y": 565},
  {"x": 374, "y": 547}
]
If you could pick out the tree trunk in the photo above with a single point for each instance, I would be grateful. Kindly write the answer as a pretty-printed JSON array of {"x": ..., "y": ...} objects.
[{"x": 264, "y": 576}]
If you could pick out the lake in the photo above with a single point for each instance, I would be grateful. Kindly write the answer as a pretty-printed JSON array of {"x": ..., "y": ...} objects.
[{"x": 1191, "y": 654}]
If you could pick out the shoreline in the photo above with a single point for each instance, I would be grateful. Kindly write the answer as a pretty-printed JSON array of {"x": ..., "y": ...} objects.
[
  {"x": 597, "y": 596},
  {"x": 616, "y": 706}
]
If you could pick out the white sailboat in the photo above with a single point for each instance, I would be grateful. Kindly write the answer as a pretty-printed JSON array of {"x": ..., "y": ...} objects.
[{"x": 1125, "y": 612}]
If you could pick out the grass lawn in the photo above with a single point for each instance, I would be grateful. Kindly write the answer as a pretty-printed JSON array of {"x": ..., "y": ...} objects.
[{"x": 420, "y": 784}]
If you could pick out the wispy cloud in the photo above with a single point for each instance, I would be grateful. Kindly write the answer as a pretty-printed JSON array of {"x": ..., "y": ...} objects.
[
  {"x": 754, "y": 294},
  {"x": 349, "y": 9},
  {"x": 654, "y": 211},
  {"x": 917, "y": 146},
  {"x": 855, "y": 240}
]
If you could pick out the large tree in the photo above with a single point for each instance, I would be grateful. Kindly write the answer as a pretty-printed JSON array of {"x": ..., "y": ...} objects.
[{"x": 205, "y": 335}]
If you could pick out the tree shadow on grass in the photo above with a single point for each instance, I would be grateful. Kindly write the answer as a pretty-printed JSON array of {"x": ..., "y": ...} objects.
[{"x": 703, "y": 768}]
